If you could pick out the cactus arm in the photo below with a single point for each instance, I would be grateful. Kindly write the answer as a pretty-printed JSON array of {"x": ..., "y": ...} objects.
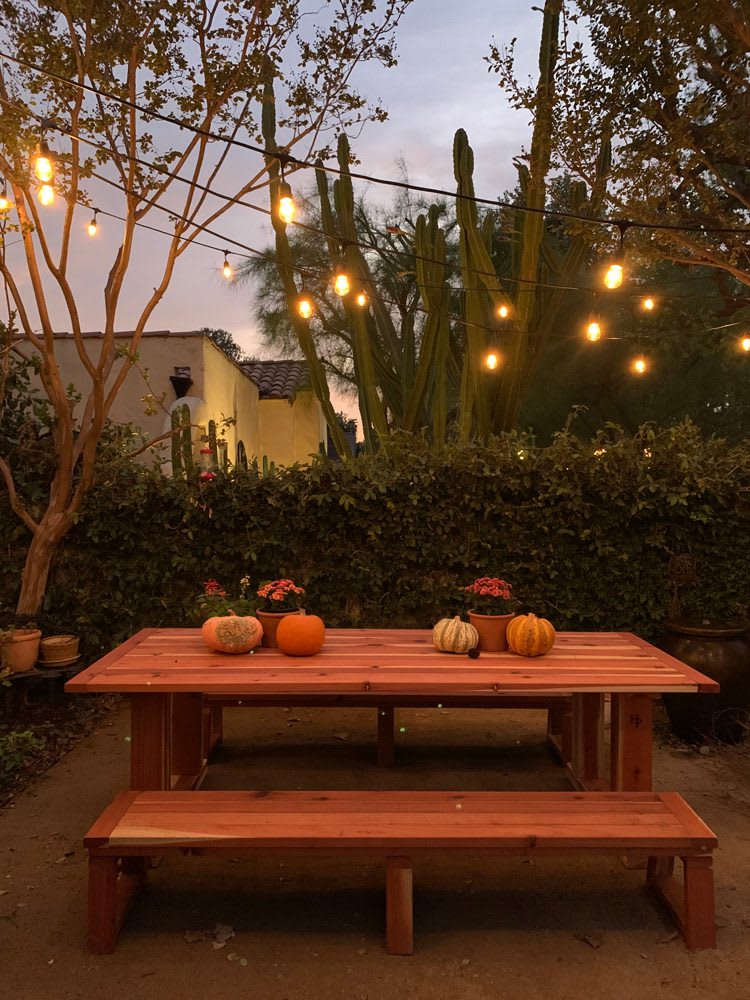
[{"x": 177, "y": 470}]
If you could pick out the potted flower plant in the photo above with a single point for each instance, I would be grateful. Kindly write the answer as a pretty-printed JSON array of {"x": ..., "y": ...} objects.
[
  {"x": 278, "y": 598},
  {"x": 491, "y": 607}
]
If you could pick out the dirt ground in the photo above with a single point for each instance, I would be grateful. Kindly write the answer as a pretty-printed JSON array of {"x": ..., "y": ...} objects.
[{"x": 561, "y": 929}]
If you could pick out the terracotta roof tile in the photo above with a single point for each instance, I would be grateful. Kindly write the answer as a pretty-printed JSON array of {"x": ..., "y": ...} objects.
[{"x": 278, "y": 379}]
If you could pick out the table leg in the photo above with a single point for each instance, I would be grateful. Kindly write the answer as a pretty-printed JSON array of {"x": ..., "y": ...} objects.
[
  {"x": 559, "y": 729},
  {"x": 386, "y": 740},
  {"x": 632, "y": 742},
  {"x": 150, "y": 742},
  {"x": 587, "y": 765},
  {"x": 188, "y": 761}
]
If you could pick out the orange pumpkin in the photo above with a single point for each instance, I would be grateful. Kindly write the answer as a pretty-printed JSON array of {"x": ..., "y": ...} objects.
[
  {"x": 530, "y": 636},
  {"x": 300, "y": 635},
  {"x": 232, "y": 633}
]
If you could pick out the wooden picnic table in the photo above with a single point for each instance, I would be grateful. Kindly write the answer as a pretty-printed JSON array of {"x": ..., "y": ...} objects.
[{"x": 169, "y": 676}]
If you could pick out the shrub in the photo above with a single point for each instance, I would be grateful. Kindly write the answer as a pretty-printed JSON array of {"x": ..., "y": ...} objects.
[{"x": 584, "y": 531}]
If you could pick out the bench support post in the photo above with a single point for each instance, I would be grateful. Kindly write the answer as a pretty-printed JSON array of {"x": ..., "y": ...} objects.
[
  {"x": 111, "y": 894},
  {"x": 399, "y": 920},
  {"x": 693, "y": 912},
  {"x": 386, "y": 739}
]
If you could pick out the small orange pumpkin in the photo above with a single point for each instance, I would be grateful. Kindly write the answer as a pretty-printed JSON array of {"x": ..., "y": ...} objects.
[
  {"x": 530, "y": 636},
  {"x": 232, "y": 633},
  {"x": 300, "y": 635}
]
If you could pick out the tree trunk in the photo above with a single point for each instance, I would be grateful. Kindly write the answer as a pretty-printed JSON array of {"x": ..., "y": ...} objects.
[{"x": 42, "y": 550}]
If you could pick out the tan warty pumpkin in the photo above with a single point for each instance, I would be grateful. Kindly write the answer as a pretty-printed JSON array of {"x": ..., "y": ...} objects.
[
  {"x": 530, "y": 636},
  {"x": 451, "y": 635},
  {"x": 232, "y": 633}
]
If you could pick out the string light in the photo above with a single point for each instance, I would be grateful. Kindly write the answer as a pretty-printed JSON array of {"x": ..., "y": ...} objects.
[
  {"x": 491, "y": 361},
  {"x": 616, "y": 271},
  {"x": 46, "y": 194},
  {"x": 648, "y": 304},
  {"x": 745, "y": 344},
  {"x": 341, "y": 284},
  {"x": 5, "y": 203},
  {"x": 639, "y": 365},
  {"x": 42, "y": 162},
  {"x": 305, "y": 307},
  {"x": 361, "y": 299},
  {"x": 594, "y": 331},
  {"x": 503, "y": 311},
  {"x": 93, "y": 227},
  {"x": 287, "y": 206},
  {"x": 226, "y": 267}
]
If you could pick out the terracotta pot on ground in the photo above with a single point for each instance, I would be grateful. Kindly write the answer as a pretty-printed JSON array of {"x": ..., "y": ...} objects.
[
  {"x": 270, "y": 622},
  {"x": 57, "y": 648},
  {"x": 19, "y": 652},
  {"x": 491, "y": 629},
  {"x": 721, "y": 652}
]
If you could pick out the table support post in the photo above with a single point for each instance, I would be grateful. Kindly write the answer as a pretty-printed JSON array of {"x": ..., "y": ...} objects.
[
  {"x": 188, "y": 761},
  {"x": 588, "y": 740},
  {"x": 559, "y": 729},
  {"x": 386, "y": 739},
  {"x": 632, "y": 742},
  {"x": 150, "y": 742}
]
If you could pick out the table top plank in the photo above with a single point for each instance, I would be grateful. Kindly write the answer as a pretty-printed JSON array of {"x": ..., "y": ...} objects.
[{"x": 387, "y": 661}]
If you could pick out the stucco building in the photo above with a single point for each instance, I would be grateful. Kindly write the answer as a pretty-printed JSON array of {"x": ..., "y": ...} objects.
[{"x": 269, "y": 405}]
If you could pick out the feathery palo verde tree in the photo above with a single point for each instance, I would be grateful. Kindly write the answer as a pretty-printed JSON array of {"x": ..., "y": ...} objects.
[
  {"x": 90, "y": 79},
  {"x": 669, "y": 81}
]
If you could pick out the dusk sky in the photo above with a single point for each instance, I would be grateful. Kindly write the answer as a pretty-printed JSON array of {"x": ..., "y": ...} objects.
[{"x": 440, "y": 84}]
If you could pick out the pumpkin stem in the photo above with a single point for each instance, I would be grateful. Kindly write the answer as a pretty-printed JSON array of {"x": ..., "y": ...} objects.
[{"x": 231, "y": 612}]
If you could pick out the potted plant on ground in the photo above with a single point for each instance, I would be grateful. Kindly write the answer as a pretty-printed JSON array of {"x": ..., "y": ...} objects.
[
  {"x": 491, "y": 607},
  {"x": 19, "y": 648},
  {"x": 278, "y": 598},
  {"x": 715, "y": 642}
]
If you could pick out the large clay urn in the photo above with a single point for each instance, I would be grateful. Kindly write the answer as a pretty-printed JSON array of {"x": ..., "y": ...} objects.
[{"x": 721, "y": 652}]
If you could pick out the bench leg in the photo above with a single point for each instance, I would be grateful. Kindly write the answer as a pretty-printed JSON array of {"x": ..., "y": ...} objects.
[
  {"x": 700, "y": 922},
  {"x": 399, "y": 921},
  {"x": 693, "y": 911},
  {"x": 386, "y": 739},
  {"x": 111, "y": 893}
]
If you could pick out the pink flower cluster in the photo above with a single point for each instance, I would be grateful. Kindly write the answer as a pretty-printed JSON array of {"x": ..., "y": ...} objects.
[
  {"x": 212, "y": 588},
  {"x": 490, "y": 586},
  {"x": 279, "y": 590}
]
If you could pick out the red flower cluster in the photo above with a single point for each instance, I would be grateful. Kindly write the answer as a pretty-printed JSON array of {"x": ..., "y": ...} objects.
[
  {"x": 279, "y": 590},
  {"x": 490, "y": 586},
  {"x": 212, "y": 588}
]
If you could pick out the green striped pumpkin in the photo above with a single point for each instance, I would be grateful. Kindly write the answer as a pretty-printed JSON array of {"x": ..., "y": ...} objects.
[{"x": 451, "y": 635}]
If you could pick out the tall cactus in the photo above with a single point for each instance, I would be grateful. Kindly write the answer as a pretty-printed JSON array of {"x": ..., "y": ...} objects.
[
  {"x": 286, "y": 271},
  {"x": 175, "y": 441}
]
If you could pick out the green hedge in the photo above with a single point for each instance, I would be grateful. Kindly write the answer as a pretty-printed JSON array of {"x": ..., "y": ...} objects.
[{"x": 586, "y": 538}]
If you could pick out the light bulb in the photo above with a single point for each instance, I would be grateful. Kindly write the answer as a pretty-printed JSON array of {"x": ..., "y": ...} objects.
[
  {"x": 226, "y": 269},
  {"x": 305, "y": 308},
  {"x": 43, "y": 168},
  {"x": 598, "y": 452},
  {"x": 5, "y": 203},
  {"x": 503, "y": 311},
  {"x": 93, "y": 228},
  {"x": 648, "y": 304},
  {"x": 613, "y": 277},
  {"x": 640, "y": 365},
  {"x": 46, "y": 194},
  {"x": 361, "y": 299},
  {"x": 341, "y": 284},
  {"x": 745, "y": 344},
  {"x": 287, "y": 206},
  {"x": 491, "y": 361},
  {"x": 593, "y": 331}
]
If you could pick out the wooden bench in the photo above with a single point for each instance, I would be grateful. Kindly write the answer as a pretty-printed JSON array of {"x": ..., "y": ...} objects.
[{"x": 398, "y": 826}]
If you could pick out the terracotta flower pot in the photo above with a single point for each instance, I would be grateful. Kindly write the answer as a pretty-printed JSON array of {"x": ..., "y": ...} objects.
[
  {"x": 58, "y": 648},
  {"x": 270, "y": 622},
  {"x": 20, "y": 651},
  {"x": 492, "y": 631}
]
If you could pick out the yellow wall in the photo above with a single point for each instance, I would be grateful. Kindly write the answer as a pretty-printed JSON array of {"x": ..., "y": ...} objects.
[
  {"x": 290, "y": 434},
  {"x": 271, "y": 427}
]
